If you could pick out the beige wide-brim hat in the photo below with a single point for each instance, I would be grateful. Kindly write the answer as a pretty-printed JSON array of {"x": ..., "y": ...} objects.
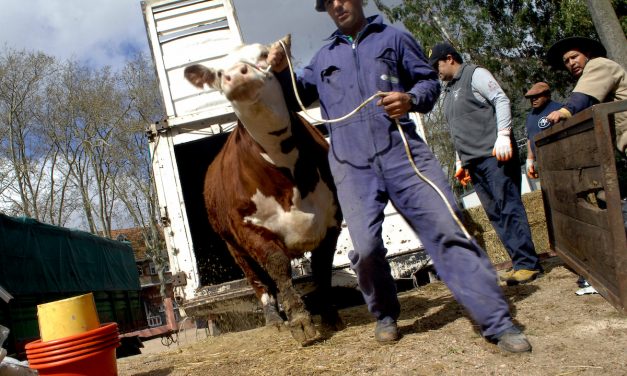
[{"x": 558, "y": 49}]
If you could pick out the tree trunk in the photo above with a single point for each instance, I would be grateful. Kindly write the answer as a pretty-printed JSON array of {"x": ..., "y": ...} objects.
[{"x": 609, "y": 30}]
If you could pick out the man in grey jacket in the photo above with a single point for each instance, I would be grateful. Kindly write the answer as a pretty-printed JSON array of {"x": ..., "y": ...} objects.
[{"x": 478, "y": 113}]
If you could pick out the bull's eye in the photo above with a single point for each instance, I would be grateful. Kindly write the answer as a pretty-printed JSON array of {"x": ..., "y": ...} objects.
[{"x": 264, "y": 55}]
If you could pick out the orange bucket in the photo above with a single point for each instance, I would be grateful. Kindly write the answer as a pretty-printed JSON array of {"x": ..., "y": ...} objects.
[
  {"x": 44, "y": 359},
  {"x": 95, "y": 363},
  {"x": 87, "y": 354},
  {"x": 104, "y": 331},
  {"x": 74, "y": 350}
]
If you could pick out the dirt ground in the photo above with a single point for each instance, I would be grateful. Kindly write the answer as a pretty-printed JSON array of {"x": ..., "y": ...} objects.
[{"x": 570, "y": 334}]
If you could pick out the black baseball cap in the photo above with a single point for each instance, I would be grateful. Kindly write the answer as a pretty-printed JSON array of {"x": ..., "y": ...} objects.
[
  {"x": 440, "y": 51},
  {"x": 320, "y": 6}
]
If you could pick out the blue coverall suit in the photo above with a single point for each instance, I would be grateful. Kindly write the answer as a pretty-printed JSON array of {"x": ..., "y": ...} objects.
[{"x": 370, "y": 167}]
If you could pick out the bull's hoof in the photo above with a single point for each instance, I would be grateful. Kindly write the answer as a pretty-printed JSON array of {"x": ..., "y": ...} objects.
[
  {"x": 272, "y": 316},
  {"x": 303, "y": 330},
  {"x": 332, "y": 321}
]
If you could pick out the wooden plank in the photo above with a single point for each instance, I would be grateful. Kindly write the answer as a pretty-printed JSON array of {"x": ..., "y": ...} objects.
[
  {"x": 576, "y": 161},
  {"x": 591, "y": 245},
  {"x": 593, "y": 278},
  {"x": 577, "y": 151},
  {"x": 566, "y": 128},
  {"x": 621, "y": 275},
  {"x": 572, "y": 193}
]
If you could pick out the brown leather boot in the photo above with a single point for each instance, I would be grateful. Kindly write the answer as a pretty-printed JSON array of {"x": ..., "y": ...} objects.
[{"x": 522, "y": 276}]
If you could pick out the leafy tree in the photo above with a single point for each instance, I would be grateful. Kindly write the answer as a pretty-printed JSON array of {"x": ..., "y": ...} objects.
[{"x": 508, "y": 37}]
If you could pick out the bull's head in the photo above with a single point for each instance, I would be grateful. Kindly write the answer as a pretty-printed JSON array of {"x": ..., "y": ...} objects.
[{"x": 240, "y": 75}]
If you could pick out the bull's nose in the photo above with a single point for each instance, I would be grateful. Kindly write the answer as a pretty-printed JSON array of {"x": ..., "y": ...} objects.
[{"x": 244, "y": 69}]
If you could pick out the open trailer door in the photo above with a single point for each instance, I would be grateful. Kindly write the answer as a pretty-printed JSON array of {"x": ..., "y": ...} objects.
[{"x": 580, "y": 187}]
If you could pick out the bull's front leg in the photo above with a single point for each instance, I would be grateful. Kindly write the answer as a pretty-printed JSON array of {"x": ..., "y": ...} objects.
[
  {"x": 301, "y": 325},
  {"x": 264, "y": 287}
]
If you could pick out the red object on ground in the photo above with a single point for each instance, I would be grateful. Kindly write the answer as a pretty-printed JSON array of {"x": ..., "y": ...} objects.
[{"x": 87, "y": 354}]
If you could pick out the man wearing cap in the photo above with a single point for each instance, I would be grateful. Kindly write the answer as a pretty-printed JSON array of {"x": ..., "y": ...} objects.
[
  {"x": 478, "y": 113},
  {"x": 598, "y": 80},
  {"x": 369, "y": 165},
  {"x": 541, "y": 105}
]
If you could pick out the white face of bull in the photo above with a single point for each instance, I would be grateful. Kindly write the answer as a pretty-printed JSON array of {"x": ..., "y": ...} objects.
[
  {"x": 240, "y": 76},
  {"x": 255, "y": 94}
]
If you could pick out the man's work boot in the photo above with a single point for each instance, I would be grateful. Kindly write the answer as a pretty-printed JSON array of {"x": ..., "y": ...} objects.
[
  {"x": 507, "y": 274},
  {"x": 513, "y": 340},
  {"x": 522, "y": 276},
  {"x": 386, "y": 330}
]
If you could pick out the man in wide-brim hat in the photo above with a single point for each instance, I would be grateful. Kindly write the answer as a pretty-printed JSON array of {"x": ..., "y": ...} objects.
[
  {"x": 589, "y": 47},
  {"x": 598, "y": 80}
]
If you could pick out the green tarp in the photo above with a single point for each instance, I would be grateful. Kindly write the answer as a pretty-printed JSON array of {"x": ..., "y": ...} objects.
[{"x": 39, "y": 258}]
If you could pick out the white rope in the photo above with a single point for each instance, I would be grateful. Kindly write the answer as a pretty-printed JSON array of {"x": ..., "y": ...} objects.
[
  {"x": 400, "y": 130},
  {"x": 426, "y": 180},
  {"x": 289, "y": 64}
]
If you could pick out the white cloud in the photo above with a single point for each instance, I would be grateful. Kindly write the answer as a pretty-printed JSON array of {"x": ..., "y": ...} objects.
[
  {"x": 100, "y": 32},
  {"x": 276, "y": 18},
  {"x": 105, "y": 32}
]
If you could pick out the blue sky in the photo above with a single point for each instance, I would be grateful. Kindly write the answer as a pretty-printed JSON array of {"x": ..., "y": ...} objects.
[
  {"x": 98, "y": 32},
  {"x": 106, "y": 32}
]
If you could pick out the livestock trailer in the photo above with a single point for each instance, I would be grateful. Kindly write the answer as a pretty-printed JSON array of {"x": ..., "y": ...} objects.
[
  {"x": 185, "y": 32},
  {"x": 581, "y": 190},
  {"x": 41, "y": 263}
]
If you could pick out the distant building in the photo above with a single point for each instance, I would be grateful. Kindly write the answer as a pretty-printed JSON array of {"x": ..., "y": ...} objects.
[{"x": 148, "y": 276}]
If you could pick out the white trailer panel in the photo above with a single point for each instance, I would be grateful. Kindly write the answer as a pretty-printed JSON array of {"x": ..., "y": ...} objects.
[{"x": 186, "y": 32}]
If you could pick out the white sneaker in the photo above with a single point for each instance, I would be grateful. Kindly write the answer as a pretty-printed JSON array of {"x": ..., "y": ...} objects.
[{"x": 586, "y": 291}]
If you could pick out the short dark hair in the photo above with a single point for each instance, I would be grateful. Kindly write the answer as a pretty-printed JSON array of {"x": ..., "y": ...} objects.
[{"x": 440, "y": 51}]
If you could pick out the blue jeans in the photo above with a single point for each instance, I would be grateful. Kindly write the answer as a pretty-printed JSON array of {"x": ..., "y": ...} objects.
[
  {"x": 364, "y": 192},
  {"x": 498, "y": 187}
]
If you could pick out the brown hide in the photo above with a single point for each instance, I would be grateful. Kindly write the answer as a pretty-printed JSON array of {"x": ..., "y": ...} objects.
[{"x": 238, "y": 171}]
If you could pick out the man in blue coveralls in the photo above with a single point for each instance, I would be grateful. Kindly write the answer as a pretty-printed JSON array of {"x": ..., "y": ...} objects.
[{"x": 370, "y": 167}]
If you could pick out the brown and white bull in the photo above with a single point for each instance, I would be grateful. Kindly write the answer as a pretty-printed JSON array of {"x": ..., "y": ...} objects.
[{"x": 269, "y": 192}]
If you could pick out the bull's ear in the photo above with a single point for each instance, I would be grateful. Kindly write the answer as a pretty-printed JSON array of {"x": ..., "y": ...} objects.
[
  {"x": 287, "y": 41},
  {"x": 199, "y": 75}
]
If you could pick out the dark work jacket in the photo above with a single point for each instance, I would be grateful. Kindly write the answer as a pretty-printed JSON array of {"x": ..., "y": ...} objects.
[
  {"x": 536, "y": 121},
  {"x": 472, "y": 123}
]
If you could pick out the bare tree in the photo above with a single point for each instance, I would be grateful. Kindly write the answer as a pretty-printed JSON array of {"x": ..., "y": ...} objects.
[
  {"x": 74, "y": 143},
  {"x": 23, "y": 78},
  {"x": 65, "y": 131}
]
